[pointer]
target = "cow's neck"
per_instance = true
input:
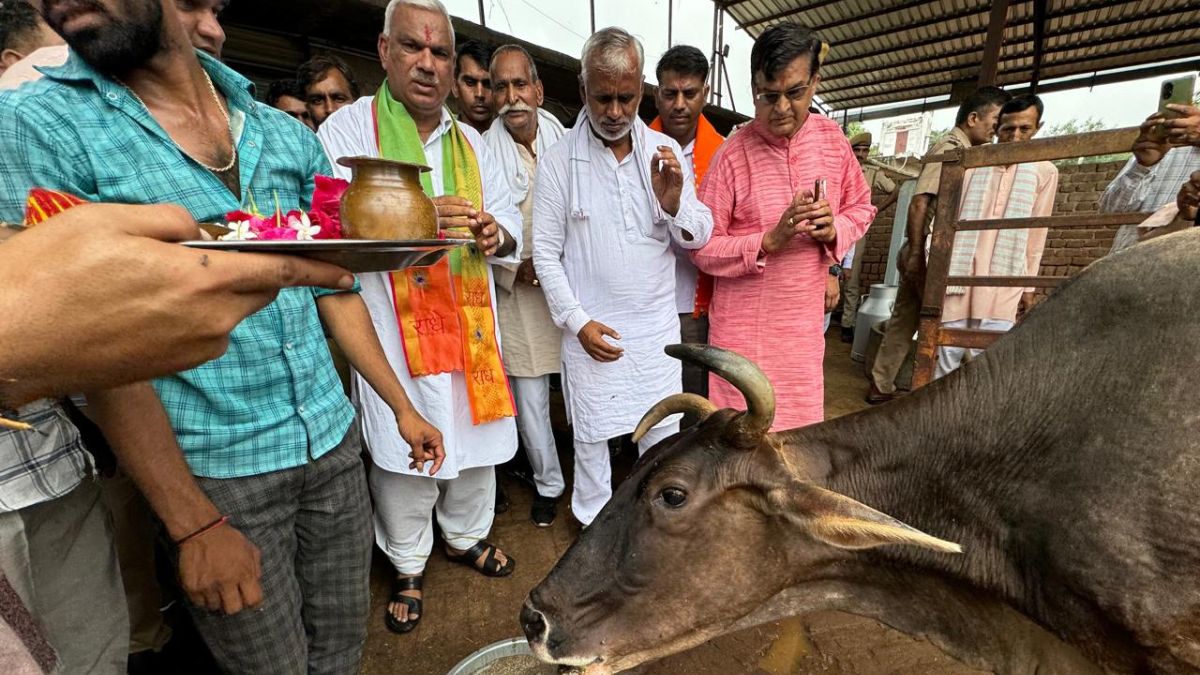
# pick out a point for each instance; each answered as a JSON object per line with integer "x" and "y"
{"x": 933, "y": 465}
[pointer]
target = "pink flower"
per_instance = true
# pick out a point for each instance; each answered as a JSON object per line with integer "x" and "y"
{"x": 326, "y": 206}
{"x": 330, "y": 227}
{"x": 277, "y": 233}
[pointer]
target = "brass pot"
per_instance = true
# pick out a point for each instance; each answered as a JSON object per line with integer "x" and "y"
{"x": 385, "y": 201}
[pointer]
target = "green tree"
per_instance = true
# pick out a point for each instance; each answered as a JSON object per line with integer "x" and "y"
{"x": 1082, "y": 127}
{"x": 856, "y": 128}
{"x": 1073, "y": 127}
{"x": 936, "y": 134}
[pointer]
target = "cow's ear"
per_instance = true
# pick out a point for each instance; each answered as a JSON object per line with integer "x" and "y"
{"x": 840, "y": 521}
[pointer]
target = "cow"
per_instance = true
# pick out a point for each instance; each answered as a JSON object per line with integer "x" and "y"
{"x": 1037, "y": 511}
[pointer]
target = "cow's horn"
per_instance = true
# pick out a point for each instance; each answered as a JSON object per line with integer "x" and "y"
{"x": 741, "y": 373}
{"x": 675, "y": 403}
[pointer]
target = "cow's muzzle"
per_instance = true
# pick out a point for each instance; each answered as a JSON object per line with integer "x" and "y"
{"x": 533, "y": 623}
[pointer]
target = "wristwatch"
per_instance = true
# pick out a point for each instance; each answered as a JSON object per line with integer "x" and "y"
{"x": 835, "y": 270}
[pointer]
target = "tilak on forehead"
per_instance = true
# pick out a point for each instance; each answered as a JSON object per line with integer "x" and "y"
{"x": 428, "y": 35}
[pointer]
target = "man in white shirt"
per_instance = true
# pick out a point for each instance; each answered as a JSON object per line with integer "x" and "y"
{"x": 520, "y": 135}
{"x": 682, "y": 73}
{"x": 469, "y": 401}
{"x": 611, "y": 200}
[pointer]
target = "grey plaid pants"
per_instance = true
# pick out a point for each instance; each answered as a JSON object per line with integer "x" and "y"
{"x": 313, "y": 526}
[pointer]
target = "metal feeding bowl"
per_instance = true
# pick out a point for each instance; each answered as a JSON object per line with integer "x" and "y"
{"x": 506, "y": 657}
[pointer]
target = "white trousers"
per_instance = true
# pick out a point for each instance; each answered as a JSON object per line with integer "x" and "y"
{"x": 950, "y": 358}
{"x": 533, "y": 423}
{"x": 593, "y": 472}
{"x": 404, "y": 508}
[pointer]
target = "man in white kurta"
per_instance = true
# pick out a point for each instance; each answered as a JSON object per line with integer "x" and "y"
{"x": 611, "y": 200}
{"x": 463, "y": 492}
{"x": 522, "y": 133}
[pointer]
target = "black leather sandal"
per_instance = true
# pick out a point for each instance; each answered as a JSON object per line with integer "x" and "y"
{"x": 414, "y": 604}
{"x": 491, "y": 566}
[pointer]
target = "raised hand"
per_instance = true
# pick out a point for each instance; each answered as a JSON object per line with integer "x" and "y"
{"x": 666, "y": 177}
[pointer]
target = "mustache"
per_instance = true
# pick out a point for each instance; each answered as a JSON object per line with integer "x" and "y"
{"x": 425, "y": 78}
{"x": 519, "y": 106}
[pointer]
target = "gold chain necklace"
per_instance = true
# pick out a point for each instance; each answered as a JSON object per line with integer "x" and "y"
{"x": 212, "y": 88}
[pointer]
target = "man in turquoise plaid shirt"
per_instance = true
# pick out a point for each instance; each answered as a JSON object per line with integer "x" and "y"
{"x": 267, "y": 500}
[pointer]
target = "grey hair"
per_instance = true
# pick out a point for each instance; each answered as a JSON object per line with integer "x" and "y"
{"x": 533, "y": 74}
{"x": 431, "y": 5}
{"x": 607, "y": 51}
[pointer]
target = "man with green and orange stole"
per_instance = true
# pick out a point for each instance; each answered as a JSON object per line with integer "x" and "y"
{"x": 437, "y": 324}
{"x": 682, "y": 74}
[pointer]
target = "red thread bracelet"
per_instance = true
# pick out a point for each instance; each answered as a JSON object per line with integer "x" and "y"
{"x": 211, "y": 526}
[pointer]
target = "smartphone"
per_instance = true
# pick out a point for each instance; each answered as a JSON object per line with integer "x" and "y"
{"x": 1178, "y": 91}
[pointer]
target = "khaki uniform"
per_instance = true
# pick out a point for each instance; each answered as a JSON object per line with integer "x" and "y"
{"x": 897, "y": 336}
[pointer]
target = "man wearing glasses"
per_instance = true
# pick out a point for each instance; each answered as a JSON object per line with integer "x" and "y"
{"x": 774, "y": 240}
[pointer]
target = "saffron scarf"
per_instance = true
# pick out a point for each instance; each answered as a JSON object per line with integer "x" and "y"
{"x": 708, "y": 140}
{"x": 444, "y": 311}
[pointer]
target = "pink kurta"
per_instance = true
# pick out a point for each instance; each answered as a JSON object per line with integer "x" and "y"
{"x": 1001, "y": 302}
{"x": 771, "y": 310}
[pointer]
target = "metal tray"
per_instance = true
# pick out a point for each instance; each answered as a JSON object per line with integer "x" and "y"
{"x": 356, "y": 255}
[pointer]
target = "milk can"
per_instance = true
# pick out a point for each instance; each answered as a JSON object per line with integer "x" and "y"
{"x": 876, "y": 308}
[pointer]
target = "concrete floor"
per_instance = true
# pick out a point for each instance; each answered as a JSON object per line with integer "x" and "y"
{"x": 465, "y": 610}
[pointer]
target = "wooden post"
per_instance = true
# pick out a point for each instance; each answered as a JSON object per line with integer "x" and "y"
{"x": 937, "y": 269}
{"x": 1039, "y": 43}
{"x": 990, "y": 63}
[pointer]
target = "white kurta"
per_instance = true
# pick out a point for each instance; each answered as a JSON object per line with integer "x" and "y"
{"x": 441, "y": 399}
{"x": 608, "y": 261}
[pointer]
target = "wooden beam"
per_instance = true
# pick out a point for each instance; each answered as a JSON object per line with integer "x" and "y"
{"x": 1049, "y": 149}
{"x": 990, "y": 62}
{"x": 1139, "y": 40}
{"x": 879, "y": 113}
{"x": 1039, "y": 43}
{"x": 1055, "y": 222}
{"x": 1005, "y": 282}
{"x": 966, "y": 337}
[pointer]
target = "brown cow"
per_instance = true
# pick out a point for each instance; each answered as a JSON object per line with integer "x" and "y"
{"x": 1065, "y": 463}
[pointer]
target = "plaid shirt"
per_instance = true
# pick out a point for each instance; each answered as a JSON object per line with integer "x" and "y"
{"x": 273, "y": 401}
{"x": 1140, "y": 188}
{"x": 36, "y": 468}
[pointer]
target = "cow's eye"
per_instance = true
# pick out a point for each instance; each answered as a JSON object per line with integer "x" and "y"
{"x": 673, "y": 497}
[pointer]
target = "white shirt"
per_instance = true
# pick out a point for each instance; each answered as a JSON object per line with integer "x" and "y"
{"x": 614, "y": 265}
{"x": 441, "y": 399}
{"x": 685, "y": 271}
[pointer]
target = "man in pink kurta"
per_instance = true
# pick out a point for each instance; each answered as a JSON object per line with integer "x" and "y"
{"x": 773, "y": 244}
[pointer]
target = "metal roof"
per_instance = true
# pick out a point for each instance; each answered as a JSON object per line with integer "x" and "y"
{"x": 891, "y": 51}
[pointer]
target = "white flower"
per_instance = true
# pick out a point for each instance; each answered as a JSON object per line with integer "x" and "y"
{"x": 239, "y": 231}
{"x": 304, "y": 228}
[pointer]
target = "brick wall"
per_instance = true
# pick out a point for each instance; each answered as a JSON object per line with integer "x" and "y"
{"x": 1067, "y": 251}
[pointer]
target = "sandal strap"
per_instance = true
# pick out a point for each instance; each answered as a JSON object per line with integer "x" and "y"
{"x": 414, "y": 604}
{"x": 407, "y": 584}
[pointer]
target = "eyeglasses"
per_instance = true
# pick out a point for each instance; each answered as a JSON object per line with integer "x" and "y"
{"x": 771, "y": 98}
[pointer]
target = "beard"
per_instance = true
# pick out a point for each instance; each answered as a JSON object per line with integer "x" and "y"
{"x": 118, "y": 44}
{"x": 610, "y": 136}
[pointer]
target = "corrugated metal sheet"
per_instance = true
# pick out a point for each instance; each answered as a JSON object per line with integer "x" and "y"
{"x": 892, "y": 51}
